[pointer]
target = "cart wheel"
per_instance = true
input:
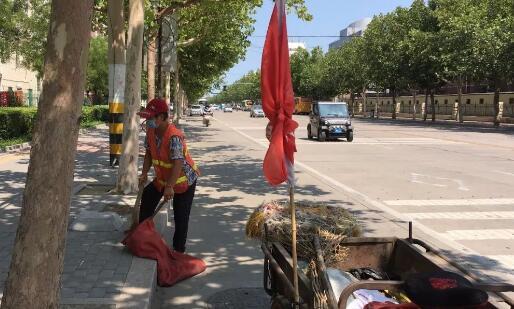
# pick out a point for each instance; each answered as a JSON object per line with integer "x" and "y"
{"x": 280, "y": 302}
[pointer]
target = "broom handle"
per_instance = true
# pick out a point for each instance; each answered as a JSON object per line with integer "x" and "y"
{"x": 293, "y": 247}
{"x": 135, "y": 211}
{"x": 156, "y": 211}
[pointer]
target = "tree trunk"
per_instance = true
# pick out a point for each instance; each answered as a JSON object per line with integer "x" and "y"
{"x": 394, "y": 104}
{"x": 376, "y": 105}
{"x": 460, "y": 106}
{"x": 127, "y": 173}
{"x": 151, "y": 52}
{"x": 496, "y": 102}
{"x": 432, "y": 103}
{"x": 364, "y": 101}
{"x": 166, "y": 87}
{"x": 159, "y": 61}
{"x": 177, "y": 107}
{"x": 116, "y": 57}
{"x": 414, "y": 105}
{"x": 352, "y": 101}
{"x": 38, "y": 254}
{"x": 425, "y": 110}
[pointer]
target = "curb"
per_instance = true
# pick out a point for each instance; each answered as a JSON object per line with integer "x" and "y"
{"x": 26, "y": 145}
{"x": 15, "y": 148}
{"x": 88, "y": 130}
{"x": 141, "y": 283}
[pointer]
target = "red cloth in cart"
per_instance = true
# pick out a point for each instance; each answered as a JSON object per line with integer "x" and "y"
{"x": 444, "y": 289}
{"x": 172, "y": 266}
{"x": 378, "y": 305}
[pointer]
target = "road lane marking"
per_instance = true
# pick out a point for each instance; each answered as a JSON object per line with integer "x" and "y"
{"x": 472, "y": 215}
{"x": 435, "y": 181}
{"x": 504, "y": 173}
{"x": 250, "y": 128}
{"x": 453, "y": 202}
{"x": 505, "y": 234}
{"x": 371, "y": 141}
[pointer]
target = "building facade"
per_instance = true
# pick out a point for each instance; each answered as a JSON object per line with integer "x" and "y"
{"x": 294, "y": 46}
{"x": 14, "y": 77}
{"x": 355, "y": 29}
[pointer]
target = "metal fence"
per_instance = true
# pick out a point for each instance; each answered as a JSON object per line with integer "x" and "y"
{"x": 443, "y": 108}
{"x": 18, "y": 98}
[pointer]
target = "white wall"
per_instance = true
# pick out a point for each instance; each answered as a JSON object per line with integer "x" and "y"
{"x": 14, "y": 75}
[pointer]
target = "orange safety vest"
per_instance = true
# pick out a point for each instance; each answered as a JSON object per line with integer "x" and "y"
{"x": 161, "y": 159}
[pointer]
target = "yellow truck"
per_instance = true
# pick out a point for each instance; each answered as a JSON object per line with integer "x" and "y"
{"x": 302, "y": 106}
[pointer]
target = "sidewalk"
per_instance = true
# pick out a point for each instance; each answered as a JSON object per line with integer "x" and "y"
{"x": 98, "y": 271}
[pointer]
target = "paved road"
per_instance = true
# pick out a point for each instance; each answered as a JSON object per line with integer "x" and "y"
{"x": 454, "y": 183}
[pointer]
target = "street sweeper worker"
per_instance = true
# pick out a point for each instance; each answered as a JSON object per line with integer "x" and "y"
{"x": 175, "y": 171}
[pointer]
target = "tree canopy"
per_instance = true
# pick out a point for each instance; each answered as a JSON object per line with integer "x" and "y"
{"x": 420, "y": 48}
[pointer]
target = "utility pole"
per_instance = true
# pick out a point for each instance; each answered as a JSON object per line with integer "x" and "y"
{"x": 117, "y": 71}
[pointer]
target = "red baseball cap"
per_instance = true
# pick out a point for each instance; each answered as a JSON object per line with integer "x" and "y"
{"x": 154, "y": 107}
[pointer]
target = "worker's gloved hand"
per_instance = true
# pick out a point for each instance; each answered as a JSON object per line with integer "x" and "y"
{"x": 143, "y": 179}
{"x": 168, "y": 193}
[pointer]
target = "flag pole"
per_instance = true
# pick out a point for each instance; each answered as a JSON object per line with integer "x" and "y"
{"x": 293, "y": 245}
{"x": 290, "y": 166}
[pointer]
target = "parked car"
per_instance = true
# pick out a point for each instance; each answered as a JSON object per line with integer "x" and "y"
{"x": 256, "y": 111}
{"x": 227, "y": 109}
{"x": 196, "y": 110}
{"x": 330, "y": 120}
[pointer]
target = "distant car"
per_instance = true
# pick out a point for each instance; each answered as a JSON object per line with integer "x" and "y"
{"x": 227, "y": 109}
{"x": 256, "y": 111}
{"x": 196, "y": 110}
{"x": 215, "y": 107}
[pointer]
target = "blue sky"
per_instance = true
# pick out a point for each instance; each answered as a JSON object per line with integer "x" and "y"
{"x": 330, "y": 16}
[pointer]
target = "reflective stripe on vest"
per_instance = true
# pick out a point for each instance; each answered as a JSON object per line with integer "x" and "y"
{"x": 162, "y": 163}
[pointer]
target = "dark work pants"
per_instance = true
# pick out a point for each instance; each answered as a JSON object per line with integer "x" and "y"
{"x": 181, "y": 209}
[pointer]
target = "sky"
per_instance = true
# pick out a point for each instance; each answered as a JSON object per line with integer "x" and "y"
{"x": 330, "y": 17}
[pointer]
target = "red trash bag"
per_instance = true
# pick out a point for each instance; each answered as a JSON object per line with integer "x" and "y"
{"x": 172, "y": 266}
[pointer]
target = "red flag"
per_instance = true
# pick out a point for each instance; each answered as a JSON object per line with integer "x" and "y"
{"x": 278, "y": 99}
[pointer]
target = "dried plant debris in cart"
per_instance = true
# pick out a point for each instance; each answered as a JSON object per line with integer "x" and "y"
{"x": 331, "y": 223}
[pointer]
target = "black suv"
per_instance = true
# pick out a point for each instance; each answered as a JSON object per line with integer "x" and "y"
{"x": 330, "y": 120}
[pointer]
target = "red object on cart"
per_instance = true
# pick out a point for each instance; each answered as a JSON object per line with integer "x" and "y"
{"x": 172, "y": 266}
